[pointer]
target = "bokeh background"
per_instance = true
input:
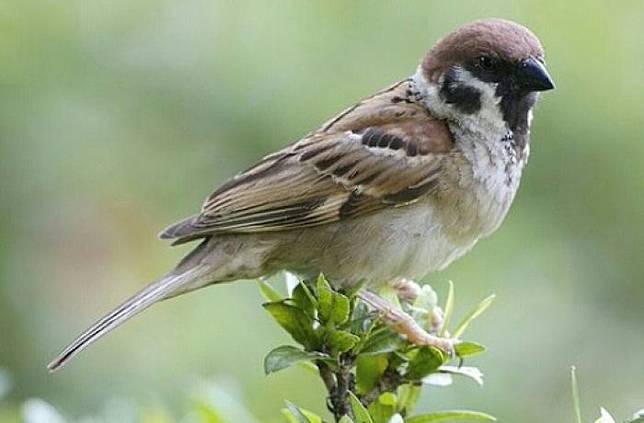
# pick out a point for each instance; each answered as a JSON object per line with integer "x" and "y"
{"x": 118, "y": 117}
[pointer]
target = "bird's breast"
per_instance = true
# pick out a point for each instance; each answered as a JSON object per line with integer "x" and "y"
{"x": 413, "y": 240}
{"x": 478, "y": 188}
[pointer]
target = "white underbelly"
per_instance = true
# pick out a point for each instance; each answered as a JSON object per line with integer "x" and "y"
{"x": 404, "y": 242}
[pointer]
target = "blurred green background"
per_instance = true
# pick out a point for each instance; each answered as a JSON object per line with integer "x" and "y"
{"x": 119, "y": 117}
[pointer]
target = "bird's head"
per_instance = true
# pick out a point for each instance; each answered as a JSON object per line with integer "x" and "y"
{"x": 493, "y": 68}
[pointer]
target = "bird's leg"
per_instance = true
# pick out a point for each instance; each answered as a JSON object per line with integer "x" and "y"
{"x": 407, "y": 289}
{"x": 405, "y": 325}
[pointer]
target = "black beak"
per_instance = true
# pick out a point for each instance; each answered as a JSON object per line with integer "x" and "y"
{"x": 533, "y": 76}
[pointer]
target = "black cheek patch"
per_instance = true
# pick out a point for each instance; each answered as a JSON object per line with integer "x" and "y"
{"x": 466, "y": 99}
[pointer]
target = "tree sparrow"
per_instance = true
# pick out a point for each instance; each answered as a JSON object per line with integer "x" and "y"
{"x": 394, "y": 187}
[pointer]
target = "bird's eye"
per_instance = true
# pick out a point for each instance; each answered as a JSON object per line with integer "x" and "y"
{"x": 486, "y": 63}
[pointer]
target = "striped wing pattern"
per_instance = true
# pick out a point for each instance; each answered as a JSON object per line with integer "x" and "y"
{"x": 385, "y": 151}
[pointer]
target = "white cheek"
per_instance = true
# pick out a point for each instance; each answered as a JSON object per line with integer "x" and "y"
{"x": 489, "y": 119}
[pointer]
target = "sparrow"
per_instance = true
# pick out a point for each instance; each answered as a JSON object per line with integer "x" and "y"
{"x": 393, "y": 188}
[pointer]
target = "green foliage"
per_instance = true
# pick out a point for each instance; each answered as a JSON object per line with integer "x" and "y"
{"x": 120, "y": 116}
{"x": 295, "y": 321}
{"x": 297, "y": 415}
{"x": 468, "y": 349}
{"x": 333, "y": 307}
{"x": 372, "y": 374}
{"x": 286, "y": 356}
{"x": 484, "y": 305}
{"x": 359, "y": 411}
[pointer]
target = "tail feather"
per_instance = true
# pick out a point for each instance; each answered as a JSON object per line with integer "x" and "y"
{"x": 149, "y": 295}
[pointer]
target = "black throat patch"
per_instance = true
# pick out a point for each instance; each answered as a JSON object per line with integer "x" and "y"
{"x": 515, "y": 104}
{"x": 515, "y": 107}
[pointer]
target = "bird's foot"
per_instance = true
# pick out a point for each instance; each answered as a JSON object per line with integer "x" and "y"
{"x": 405, "y": 325}
{"x": 407, "y": 289}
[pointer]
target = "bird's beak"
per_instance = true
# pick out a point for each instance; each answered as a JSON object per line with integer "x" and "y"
{"x": 532, "y": 75}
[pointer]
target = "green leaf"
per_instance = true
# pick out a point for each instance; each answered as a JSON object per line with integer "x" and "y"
{"x": 384, "y": 408}
{"x": 342, "y": 341}
{"x": 313, "y": 418}
{"x": 426, "y": 361}
{"x": 304, "y": 299}
{"x": 408, "y": 395}
{"x": 333, "y": 307}
{"x": 361, "y": 414}
{"x": 299, "y": 415}
{"x": 345, "y": 419}
{"x": 294, "y": 321}
{"x": 270, "y": 293}
{"x": 309, "y": 367}
{"x": 289, "y": 416}
{"x": 575, "y": 393}
{"x": 369, "y": 370}
{"x": 451, "y": 416}
{"x": 388, "y": 398}
{"x": 286, "y": 356}
{"x": 483, "y": 305}
{"x": 448, "y": 310}
{"x": 468, "y": 349}
{"x": 381, "y": 341}
{"x": 360, "y": 319}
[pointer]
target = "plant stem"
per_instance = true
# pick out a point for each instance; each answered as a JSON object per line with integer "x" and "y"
{"x": 338, "y": 384}
{"x": 389, "y": 382}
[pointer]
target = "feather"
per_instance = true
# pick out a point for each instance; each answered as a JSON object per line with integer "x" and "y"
{"x": 384, "y": 151}
{"x": 156, "y": 291}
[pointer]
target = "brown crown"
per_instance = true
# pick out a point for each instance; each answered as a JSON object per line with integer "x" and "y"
{"x": 497, "y": 37}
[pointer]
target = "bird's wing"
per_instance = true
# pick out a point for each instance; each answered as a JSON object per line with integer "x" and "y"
{"x": 385, "y": 151}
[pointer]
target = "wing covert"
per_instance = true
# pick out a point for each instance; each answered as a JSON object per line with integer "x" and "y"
{"x": 383, "y": 152}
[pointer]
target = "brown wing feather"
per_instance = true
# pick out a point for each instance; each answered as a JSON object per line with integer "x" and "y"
{"x": 385, "y": 151}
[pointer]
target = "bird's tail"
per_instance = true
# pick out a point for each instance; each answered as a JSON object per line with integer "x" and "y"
{"x": 168, "y": 286}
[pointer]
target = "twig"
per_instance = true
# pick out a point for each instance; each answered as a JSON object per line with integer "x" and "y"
{"x": 338, "y": 385}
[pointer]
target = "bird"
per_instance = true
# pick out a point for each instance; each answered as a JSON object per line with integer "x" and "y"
{"x": 391, "y": 189}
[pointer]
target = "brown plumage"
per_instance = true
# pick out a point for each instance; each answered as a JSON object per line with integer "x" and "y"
{"x": 504, "y": 39}
{"x": 312, "y": 181}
